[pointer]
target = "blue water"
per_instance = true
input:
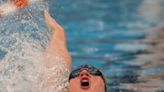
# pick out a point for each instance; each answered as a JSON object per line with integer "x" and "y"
{"x": 108, "y": 34}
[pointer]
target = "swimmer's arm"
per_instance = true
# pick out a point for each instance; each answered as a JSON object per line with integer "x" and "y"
{"x": 57, "y": 45}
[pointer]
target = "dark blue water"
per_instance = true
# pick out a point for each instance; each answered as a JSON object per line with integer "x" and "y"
{"x": 110, "y": 34}
{"x": 123, "y": 38}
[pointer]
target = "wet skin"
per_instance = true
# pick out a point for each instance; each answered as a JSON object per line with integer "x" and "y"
{"x": 86, "y": 82}
{"x": 57, "y": 45}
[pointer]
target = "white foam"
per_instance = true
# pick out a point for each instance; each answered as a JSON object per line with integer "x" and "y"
{"x": 24, "y": 37}
{"x": 6, "y": 9}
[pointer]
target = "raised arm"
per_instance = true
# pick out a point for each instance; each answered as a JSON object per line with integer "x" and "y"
{"x": 57, "y": 45}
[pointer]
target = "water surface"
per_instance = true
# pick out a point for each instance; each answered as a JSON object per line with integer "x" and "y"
{"x": 121, "y": 37}
{"x": 124, "y": 38}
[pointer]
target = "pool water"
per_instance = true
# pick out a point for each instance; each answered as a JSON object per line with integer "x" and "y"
{"x": 117, "y": 37}
{"x": 123, "y": 38}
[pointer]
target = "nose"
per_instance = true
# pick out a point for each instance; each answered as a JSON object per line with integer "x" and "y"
{"x": 84, "y": 73}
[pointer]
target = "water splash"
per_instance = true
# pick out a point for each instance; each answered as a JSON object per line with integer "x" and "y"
{"x": 23, "y": 38}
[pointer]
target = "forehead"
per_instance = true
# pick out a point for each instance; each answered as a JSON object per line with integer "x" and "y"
{"x": 86, "y": 68}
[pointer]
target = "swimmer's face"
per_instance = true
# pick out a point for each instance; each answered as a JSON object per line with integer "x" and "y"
{"x": 86, "y": 82}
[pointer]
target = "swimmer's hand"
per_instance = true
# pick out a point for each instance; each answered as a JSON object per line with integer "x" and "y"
{"x": 51, "y": 23}
{"x": 57, "y": 30}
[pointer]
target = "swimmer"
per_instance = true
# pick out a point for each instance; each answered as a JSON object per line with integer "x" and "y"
{"x": 83, "y": 79}
{"x": 57, "y": 60}
{"x": 87, "y": 79}
{"x": 13, "y": 5}
{"x": 57, "y": 45}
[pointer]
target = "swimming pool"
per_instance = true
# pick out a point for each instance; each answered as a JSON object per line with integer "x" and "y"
{"x": 114, "y": 35}
{"x": 110, "y": 34}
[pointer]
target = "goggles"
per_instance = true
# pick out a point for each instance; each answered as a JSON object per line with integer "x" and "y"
{"x": 90, "y": 69}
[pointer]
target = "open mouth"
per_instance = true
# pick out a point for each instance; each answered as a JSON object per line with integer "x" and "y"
{"x": 85, "y": 83}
